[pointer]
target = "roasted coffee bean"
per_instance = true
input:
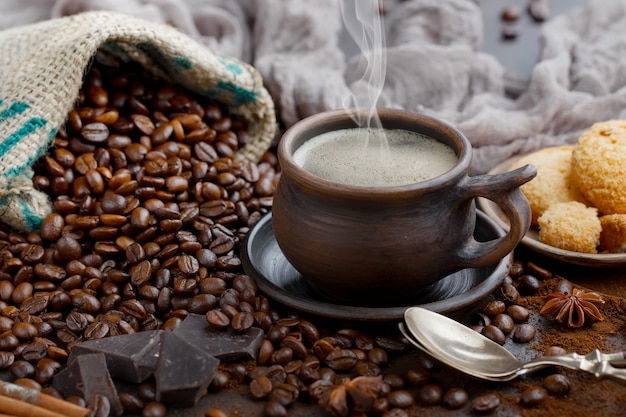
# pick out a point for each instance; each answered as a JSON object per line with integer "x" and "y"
{"x": 528, "y": 285}
{"x": 378, "y": 356}
{"x": 429, "y": 394}
{"x": 214, "y": 412}
{"x": 524, "y": 333}
{"x": 274, "y": 409}
{"x": 518, "y": 313}
{"x": 100, "y": 405}
{"x": 260, "y": 387}
{"x": 389, "y": 344}
{"x": 485, "y": 404}
{"x": 154, "y": 409}
{"x": 504, "y": 322}
{"x": 22, "y": 369}
{"x": 538, "y": 272}
{"x": 130, "y": 403}
{"x": 532, "y": 397}
{"x": 494, "y": 333}
{"x": 557, "y": 384}
{"x": 6, "y": 359}
{"x": 455, "y": 398}
{"x": 509, "y": 31}
{"x": 95, "y": 132}
{"x": 507, "y": 293}
{"x": 418, "y": 377}
{"x": 24, "y": 331}
{"x": 285, "y": 394}
{"x": 242, "y": 322}
{"x": 217, "y": 319}
{"x": 511, "y": 14}
{"x": 147, "y": 391}
{"x": 539, "y": 10}
{"x": 555, "y": 351}
{"x": 493, "y": 308}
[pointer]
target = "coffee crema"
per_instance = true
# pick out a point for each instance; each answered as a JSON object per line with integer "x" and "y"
{"x": 375, "y": 157}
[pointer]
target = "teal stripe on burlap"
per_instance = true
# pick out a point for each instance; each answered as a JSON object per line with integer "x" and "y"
{"x": 14, "y": 109}
{"x": 32, "y": 221}
{"x": 29, "y": 127}
{"x": 15, "y": 171}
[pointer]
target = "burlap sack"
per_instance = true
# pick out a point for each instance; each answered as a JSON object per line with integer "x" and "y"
{"x": 41, "y": 71}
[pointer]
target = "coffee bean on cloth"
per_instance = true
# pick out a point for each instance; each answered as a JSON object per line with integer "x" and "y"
{"x": 41, "y": 71}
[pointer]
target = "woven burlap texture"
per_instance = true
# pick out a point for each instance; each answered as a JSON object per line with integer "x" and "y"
{"x": 41, "y": 71}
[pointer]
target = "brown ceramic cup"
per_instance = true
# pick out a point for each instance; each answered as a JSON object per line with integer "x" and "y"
{"x": 374, "y": 246}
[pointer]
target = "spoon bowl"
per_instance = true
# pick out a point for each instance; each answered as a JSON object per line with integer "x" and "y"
{"x": 468, "y": 351}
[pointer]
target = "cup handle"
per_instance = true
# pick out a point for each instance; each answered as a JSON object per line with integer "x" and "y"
{"x": 503, "y": 189}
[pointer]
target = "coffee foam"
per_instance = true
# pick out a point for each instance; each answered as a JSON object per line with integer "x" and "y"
{"x": 375, "y": 157}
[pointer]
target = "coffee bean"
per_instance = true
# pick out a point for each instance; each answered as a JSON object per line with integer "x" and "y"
{"x": 100, "y": 405}
{"x": 418, "y": 377}
{"x": 493, "y": 308}
{"x": 533, "y": 396}
{"x": 511, "y": 14}
{"x": 6, "y": 359}
{"x": 539, "y": 10}
{"x": 22, "y": 369}
{"x": 154, "y": 409}
{"x": 285, "y": 394}
{"x": 217, "y": 319}
{"x": 485, "y": 404}
{"x": 188, "y": 264}
{"x": 528, "y": 285}
{"x": 214, "y": 412}
{"x": 507, "y": 293}
{"x": 555, "y": 351}
{"x": 242, "y": 322}
{"x": 274, "y": 409}
{"x": 518, "y": 313}
{"x": 260, "y": 387}
{"x": 130, "y": 403}
{"x": 495, "y": 334}
{"x": 524, "y": 333}
{"x": 429, "y": 394}
{"x": 95, "y": 132}
{"x": 504, "y": 322}
{"x": 557, "y": 384}
{"x": 455, "y": 398}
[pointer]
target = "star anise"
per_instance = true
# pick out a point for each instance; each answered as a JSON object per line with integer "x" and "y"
{"x": 352, "y": 395}
{"x": 574, "y": 309}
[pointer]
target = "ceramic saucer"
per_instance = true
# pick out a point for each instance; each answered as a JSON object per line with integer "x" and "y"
{"x": 263, "y": 260}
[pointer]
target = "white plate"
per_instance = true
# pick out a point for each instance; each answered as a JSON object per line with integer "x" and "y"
{"x": 532, "y": 242}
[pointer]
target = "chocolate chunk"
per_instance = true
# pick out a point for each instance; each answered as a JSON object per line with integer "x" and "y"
{"x": 86, "y": 376}
{"x": 183, "y": 371}
{"x": 225, "y": 345}
{"x": 131, "y": 357}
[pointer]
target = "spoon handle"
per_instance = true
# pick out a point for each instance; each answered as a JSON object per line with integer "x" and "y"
{"x": 608, "y": 370}
{"x": 617, "y": 358}
{"x": 594, "y": 362}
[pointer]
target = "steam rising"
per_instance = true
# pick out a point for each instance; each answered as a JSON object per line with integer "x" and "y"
{"x": 364, "y": 24}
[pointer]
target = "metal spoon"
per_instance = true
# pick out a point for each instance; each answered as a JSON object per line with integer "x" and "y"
{"x": 462, "y": 348}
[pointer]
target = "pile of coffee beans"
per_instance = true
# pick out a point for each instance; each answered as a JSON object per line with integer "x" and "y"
{"x": 150, "y": 207}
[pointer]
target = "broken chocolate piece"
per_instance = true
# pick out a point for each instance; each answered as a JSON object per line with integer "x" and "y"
{"x": 183, "y": 371}
{"x": 225, "y": 345}
{"x": 131, "y": 357}
{"x": 86, "y": 376}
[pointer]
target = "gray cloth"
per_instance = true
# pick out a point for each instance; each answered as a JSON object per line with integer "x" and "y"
{"x": 434, "y": 63}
